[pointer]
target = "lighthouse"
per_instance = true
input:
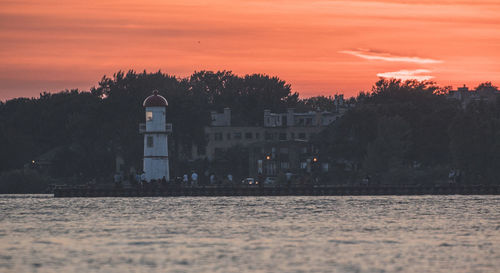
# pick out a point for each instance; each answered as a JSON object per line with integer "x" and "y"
{"x": 155, "y": 132}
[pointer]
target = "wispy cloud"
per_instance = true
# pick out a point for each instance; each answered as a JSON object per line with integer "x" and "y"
{"x": 408, "y": 75}
{"x": 388, "y": 57}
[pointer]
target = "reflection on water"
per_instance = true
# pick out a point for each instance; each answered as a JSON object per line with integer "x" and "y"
{"x": 239, "y": 234}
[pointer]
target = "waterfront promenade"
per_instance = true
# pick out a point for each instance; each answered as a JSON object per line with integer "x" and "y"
{"x": 170, "y": 191}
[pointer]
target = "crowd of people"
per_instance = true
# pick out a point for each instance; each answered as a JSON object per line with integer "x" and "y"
{"x": 207, "y": 179}
{"x": 191, "y": 179}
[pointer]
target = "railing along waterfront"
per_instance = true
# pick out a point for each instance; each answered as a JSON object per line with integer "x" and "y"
{"x": 317, "y": 190}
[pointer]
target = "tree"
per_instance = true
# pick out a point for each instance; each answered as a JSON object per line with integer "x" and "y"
{"x": 388, "y": 153}
{"x": 486, "y": 86}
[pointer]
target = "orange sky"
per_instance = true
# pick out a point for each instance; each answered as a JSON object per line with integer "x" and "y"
{"x": 320, "y": 47}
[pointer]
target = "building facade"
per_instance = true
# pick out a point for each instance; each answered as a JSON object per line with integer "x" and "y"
{"x": 281, "y": 144}
{"x": 275, "y": 158}
{"x": 466, "y": 96}
{"x": 289, "y": 126}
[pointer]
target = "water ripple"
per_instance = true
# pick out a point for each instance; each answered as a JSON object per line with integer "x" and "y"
{"x": 39, "y": 233}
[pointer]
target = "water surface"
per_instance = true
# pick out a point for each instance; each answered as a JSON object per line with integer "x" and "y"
{"x": 239, "y": 234}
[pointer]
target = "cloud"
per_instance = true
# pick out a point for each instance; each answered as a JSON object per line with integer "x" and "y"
{"x": 388, "y": 57}
{"x": 407, "y": 75}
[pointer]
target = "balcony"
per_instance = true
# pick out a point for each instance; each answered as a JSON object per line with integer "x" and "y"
{"x": 168, "y": 128}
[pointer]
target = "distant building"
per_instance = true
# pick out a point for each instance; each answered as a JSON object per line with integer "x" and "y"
{"x": 277, "y": 127}
{"x": 274, "y": 158}
{"x": 221, "y": 119}
{"x": 284, "y": 136}
{"x": 466, "y": 96}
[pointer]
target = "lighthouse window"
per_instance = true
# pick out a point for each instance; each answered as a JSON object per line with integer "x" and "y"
{"x": 149, "y": 116}
{"x": 149, "y": 141}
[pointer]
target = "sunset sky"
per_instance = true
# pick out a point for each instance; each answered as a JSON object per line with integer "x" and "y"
{"x": 320, "y": 47}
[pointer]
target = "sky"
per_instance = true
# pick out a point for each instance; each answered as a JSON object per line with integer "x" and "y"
{"x": 319, "y": 47}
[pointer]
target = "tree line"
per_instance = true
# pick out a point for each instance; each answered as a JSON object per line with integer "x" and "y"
{"x": 82, "y": 132}
{"x": 413, "y": 133}
{"x": 400, "y": 132}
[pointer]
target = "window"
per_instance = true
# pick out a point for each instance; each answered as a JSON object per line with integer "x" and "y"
{"x": 303, "y": 150}
{"x": 308, "y": 121}
{"x": 228, "y": 136}
{"x": 302, "y": 135}
{"x": 284, "y": 150}
{"x": 292, "y": 136}
{"x": 285, "y": 165}
{"x": 218, "y": 136}
{"x": 270, "y": 168}
{"x": 149, "y": 116}
{"x": 237, "y": 135}
{"x": 269, "y": 136}
{"x": 149, "y": 141}
{"x": 257, "y": 136}
{"x": 282, "y": 136}
{"x": 248, "y": 135}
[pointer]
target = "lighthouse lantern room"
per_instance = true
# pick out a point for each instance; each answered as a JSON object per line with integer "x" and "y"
{"x": 155, "y": 133}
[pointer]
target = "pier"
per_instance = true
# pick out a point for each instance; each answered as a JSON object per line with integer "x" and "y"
{"x": 171, "y": 191}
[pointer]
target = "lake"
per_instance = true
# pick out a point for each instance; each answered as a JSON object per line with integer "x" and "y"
{"x": 39, "y": 233}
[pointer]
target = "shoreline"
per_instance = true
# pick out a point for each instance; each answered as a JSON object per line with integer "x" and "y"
{"x": 278, "y": 191}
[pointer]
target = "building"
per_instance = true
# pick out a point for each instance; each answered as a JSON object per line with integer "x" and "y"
{"x": 466, "y": 96}
{"x": 155, "y": 130}
{"x": 285, "y": 137}
{"x": 279, "y": 157}
{"x": 287, "y": 126}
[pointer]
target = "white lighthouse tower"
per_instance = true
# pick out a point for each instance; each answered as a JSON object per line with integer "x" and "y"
{"x": 155, "y": 138}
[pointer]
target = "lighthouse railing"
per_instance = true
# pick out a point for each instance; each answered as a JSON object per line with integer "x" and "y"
{"x": 142, "y": 128}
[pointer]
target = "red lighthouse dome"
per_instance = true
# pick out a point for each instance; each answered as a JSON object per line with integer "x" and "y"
{"x": 155, "y": 100}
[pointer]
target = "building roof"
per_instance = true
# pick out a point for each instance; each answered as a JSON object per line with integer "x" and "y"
{"x": 155, "y": 100}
